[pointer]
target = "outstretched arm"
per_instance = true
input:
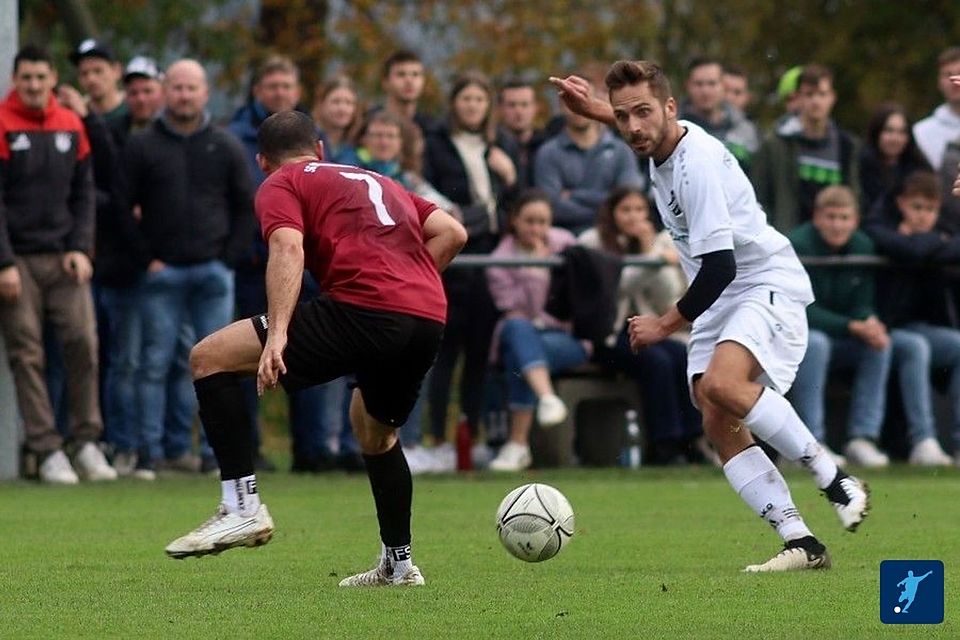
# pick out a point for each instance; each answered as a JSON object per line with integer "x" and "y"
{"x": 284, "y": 275}
{"x": 443, "y": 237}
{"x": 577, "y": 94}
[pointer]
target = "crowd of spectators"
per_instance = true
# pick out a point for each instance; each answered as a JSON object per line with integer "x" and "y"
{"x": 127, "y": 234}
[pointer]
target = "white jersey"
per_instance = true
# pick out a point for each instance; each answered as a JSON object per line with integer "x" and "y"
{"x": 707, "y": 204}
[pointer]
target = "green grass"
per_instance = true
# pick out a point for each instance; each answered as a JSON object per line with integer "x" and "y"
{"x": 656, "y": 555}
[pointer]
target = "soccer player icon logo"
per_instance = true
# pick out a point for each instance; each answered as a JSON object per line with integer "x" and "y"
{"x": 903, "y": 600}
{"x": 909, "y": 584}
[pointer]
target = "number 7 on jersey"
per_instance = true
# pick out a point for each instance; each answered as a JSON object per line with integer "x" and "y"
{"x": 375, "y": 193}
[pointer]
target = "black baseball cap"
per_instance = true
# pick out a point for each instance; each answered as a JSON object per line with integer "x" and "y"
{"x": 92, "y": 48}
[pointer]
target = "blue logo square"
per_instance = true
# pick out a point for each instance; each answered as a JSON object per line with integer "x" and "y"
{"x": 911, "y": 591}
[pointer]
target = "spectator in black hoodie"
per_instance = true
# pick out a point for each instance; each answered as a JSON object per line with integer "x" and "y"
{"x": 195, "y": 193}
{"x": 914, "y": 304}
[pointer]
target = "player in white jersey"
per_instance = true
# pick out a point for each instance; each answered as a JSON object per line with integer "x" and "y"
{"x": 746, "y": 301}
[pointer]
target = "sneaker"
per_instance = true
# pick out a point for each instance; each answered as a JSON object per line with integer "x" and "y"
{"x": 145, "y": 470}
{"x": 92, "y": 465}
{"x": 512, "y": 457}
{"x": 377, "y": 577}
{"x": 419, "y": 460}
{"x": 124, "y": 462}
{"x": 210, "y": 467}
{"x": 224, "y": 531}
{"x": 56, "y": 469}
{"x": 444, "y": 458}
{"x": 799, "y": 554}
{"x": 184, "y": 463}
{"x": 851, "y": 498}
{"x": 480, "y": 455}
{"x": 838, "y": 459}
{"x": 551, "y": 411}
{"x": 863, "y": 452}
{"x": 929, "y": 453}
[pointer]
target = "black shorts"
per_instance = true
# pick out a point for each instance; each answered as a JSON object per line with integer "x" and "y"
{"x": 389, "y": 353}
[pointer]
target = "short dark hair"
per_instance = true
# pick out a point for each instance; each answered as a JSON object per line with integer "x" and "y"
{"x": 286, "y": 134}
{"x": 399, "y": 57}
{"x": 275, "y": 64}
{"x": 737, "y": 70}
{"x": 702, "y": 61}
{"x": 813, "y": 74}
{"x": 514, "y": 83}
{"x": 631, "y": 72}
{"x": 32, "y": 53}
{"x": 922, "y": 183}
{"x": 948, "y": 56}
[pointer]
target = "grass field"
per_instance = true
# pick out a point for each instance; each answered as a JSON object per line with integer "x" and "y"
{"x": 656, "y": 554}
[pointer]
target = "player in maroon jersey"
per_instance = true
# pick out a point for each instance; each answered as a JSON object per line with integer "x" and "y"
{"x": 376, "y": 251}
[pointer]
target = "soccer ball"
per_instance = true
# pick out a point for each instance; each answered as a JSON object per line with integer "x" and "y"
{"x": 534, "y": 522}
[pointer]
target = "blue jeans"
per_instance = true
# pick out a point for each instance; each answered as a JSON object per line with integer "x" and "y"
{"x": 523, "y": 347}
{"x": 661, "y": 373}
{"x": 918, "y": 347}
{"x": 871, "y": 369}
{"x": 199, "y": 295}
{"x": 121, "y": 308}
{"x": 308, "y": 408}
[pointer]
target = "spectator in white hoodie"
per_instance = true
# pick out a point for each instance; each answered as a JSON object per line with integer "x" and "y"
{"x": 942, "y": 127}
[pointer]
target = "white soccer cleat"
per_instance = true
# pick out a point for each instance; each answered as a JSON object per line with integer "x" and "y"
{"x": 512, "y": 457}
{"x": 929, "y": 453}
{"x": 550, "y": 411}
{"x": 56, "y": 469}
{"x": 863, "y": 452}
{"x": 797, "y": 555}
{"x": 850, "y": 498}
{"x": 377, "y": 577}
{"x": 92, "y": 465}
{"x": 224, "y": 531}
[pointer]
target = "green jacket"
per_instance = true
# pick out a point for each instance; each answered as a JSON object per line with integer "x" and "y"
{"x": 843, "y": 293}
{"x": 776, "y": 178}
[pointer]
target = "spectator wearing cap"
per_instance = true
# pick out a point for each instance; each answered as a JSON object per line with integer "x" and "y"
{"x": 192, "y": 184}
{"x": 46, "y": 240}
{"x": 143, "y": 95}
{"x": 275, "y": 87}
{"x": 98, "y": 73}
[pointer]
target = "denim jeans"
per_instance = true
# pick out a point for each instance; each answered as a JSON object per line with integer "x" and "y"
{"x": 871, "y": 369}
{"x": 524, "y": 346}
{"x": 308, "y": 408}
{"x": 925, "y": 346}
{"x": 199, "y": 295}
{"x": 182, "y": 402}
{"x": 121, "y": 309}
{"x": 661, "y": 373}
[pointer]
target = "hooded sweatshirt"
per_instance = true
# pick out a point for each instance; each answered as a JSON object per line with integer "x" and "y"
{"x": 934, "y": 132}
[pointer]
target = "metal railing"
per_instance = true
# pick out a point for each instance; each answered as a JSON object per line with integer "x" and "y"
{"x": 474, "y": 261}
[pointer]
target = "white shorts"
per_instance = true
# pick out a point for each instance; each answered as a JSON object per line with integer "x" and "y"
{"x": 770, "y": 325}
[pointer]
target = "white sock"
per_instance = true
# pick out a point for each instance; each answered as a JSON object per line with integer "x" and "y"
{"x": 755, "y": 479}
{"x": 241, "y": 495}
{"x": 396, "y": 560}
{"x": 773, "y": 420}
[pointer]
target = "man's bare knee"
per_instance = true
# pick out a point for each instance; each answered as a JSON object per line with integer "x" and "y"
{"x": 202, "y": 360}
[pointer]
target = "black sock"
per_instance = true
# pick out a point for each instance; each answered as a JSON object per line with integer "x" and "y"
{"x": 227, "y": 423}
{"x": 392, "y": 488}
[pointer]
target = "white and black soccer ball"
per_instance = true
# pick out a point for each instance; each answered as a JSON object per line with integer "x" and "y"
{"x": 535, "y": 521}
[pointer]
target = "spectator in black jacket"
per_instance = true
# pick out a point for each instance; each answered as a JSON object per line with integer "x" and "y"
{"x": 195, "y": 193}
{"x": 464, "y": 165}
{"x": 46, "y": 240}
{"x": 889, "y": 154}
{"x": 914, "y": 302}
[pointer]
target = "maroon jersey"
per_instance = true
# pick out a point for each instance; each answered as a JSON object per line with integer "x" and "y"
{"x": 362, "y": 236}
